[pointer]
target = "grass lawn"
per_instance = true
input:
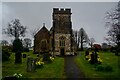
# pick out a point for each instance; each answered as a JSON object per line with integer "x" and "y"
{"x": 107, "y": 58}
{"x": 51, "y": 70}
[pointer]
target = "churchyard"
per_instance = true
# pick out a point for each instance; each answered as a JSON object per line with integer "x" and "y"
{"x": 62, "y": 51}
{"x": 108, "y": 68}
{"x": 53, "y": 69}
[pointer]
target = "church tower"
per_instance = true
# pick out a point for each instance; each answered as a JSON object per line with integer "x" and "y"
{"x": 62, "y": 27}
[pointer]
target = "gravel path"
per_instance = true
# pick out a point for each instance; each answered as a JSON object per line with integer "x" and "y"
{"x": 72, "y": 70}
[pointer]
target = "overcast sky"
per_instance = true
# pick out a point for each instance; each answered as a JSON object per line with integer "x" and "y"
{"x": 89, "y": 15}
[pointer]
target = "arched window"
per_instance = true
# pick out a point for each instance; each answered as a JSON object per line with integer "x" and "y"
{"x": 62, "y": 41}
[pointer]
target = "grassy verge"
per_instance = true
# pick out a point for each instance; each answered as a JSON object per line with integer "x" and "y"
{"x": 52, "y": 70}
{"x": 107, "y": 58}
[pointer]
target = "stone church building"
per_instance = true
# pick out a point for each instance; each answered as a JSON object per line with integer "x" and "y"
{"x": 59, "y": 40}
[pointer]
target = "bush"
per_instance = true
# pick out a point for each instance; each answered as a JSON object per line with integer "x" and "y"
{"x": 18, "y": 48}
{"x": 17, "y": 45}
{"x": 5, "y": 55}
{"x": 108, "y": 68}
{"x": 99, "y": 68}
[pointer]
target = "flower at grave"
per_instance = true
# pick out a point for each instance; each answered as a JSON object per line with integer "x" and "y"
{"x": 39, "y": 63}
{"x": 99, "y": 60}
{"x": 89, "y": 59}
{"x": 51, "y": 58}
{"x": 97, "y": 53}
{"x": 17, "y": 75}
{"x": 90, "y": 53}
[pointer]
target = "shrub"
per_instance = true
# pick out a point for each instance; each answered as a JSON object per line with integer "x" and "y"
{"x": 5, "y": 55}
{"x": 17, "y": 45}
{"x": 99, "y": 68}
{"x": 108, "y": 68}
{"x": 18, "y": 48}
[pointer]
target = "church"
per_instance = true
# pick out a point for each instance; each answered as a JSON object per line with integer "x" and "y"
{"x": 59, "y": 39}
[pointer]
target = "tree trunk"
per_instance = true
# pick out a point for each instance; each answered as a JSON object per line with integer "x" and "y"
{"x": 81, "y": 43}
{"x": 18, "y": 58}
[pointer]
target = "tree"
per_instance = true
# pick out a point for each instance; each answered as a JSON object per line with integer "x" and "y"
{"x": 104, "y": 45}
{"x": 18, "y": 48}
{"x": 27, "y": 42}
{"x": 34, "y": 31}
{"x": 4, "y": 43}
{"x": 82, "y": 37}
{"x": 113, "y": 23}
{"x": 15, "y": 29}
{"x": 91, "y": 41}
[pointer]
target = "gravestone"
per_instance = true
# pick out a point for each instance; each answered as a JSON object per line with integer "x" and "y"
{"x": 24, "y": 55}
{"x": 31, "y": 66}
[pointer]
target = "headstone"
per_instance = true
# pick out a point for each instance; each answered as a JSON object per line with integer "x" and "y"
{"x": 24, "y": 55}
{"x": 31, "y": 67}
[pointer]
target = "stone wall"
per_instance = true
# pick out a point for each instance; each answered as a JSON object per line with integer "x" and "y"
{"x": 67, "y": 43}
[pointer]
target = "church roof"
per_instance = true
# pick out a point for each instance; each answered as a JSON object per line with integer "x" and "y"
{"x": 43, "y": 30}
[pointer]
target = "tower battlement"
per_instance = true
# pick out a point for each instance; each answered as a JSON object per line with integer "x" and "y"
{"x": 61, "y": 10}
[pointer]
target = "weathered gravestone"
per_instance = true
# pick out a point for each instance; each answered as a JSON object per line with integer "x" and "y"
{"x": 31, "y": 66}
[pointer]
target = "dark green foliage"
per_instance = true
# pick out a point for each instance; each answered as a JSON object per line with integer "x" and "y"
{"x": 18, "y": 48}
{"x": 108, "y": 68}
{"x": 17, "y": 45}
{"x": 18, "y": 57}
{"x": 99, "y": 68}
{"x": 5, "y": 54}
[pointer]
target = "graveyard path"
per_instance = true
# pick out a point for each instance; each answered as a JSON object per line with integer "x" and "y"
{"x": 72, "y": 70}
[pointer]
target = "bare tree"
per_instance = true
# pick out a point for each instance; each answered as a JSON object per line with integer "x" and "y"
{"x": 15, "y": 29}
{"x": 91, "y": 41}
{"x": 4, "y": 43}
{"x": 27, "y": 42}
{"x": 113, "y": 23}
{"x": 34, "y": 31}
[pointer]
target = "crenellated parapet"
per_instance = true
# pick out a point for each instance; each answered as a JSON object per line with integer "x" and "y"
{"x": 61, "y": 11}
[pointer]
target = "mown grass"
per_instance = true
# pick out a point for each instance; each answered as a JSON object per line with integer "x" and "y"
{"x": 51, "y": 70}
{"x": 107, "y": 58}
